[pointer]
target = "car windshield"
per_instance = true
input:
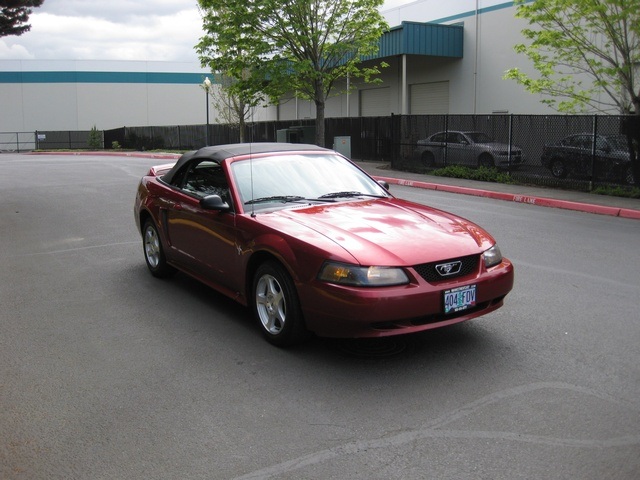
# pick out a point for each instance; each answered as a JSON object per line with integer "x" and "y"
{"x": 284, "y": 178}
{"x": 479, "y": 137}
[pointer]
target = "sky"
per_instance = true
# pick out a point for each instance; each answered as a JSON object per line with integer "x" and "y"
{"x": 140, "y": 30}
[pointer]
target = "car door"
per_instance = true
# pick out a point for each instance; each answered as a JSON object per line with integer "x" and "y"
{"x": 437, "y": 145}
{"x": 603, "y": 161}
{"x": 457, "y": 149}
{"x": 581, "y": 155}
{"x": 205, "y": 239}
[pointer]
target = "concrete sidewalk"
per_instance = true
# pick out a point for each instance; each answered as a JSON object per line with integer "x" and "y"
{"x": 545, "y": 197}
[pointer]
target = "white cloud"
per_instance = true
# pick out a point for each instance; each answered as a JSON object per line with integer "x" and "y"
{"x": 14, "y": 52}
{"x": 164, "y": 30}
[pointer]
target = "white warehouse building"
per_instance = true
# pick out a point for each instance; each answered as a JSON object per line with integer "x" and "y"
{"x": 444, "y": 57}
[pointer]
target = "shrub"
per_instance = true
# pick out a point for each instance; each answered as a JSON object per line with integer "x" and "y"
{"x": 618, "y": 191}
{"x": 484, "y": 174}
{"x": 95, "y": 139}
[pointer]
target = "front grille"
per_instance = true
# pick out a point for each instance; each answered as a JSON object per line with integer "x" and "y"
{"x": 428, "y": 271}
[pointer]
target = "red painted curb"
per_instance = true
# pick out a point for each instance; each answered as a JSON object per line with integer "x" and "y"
{"x": 628, "y": 213}
{"x": 531, "y": 200}
{"x": 113, "y": 154}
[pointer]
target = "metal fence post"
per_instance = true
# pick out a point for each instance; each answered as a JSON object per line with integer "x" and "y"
{"x": 593, "y": 150}
{"x": 446, "y": 135}
{"x": 510, "y": 142}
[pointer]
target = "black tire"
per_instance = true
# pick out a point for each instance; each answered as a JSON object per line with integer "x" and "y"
{"x": 486, "y": 160}
{"x": 558, "y": 168}
{"x": 153, "y": 251}
{"x": 428, "y": 159}
{"x": 276, "y": 306}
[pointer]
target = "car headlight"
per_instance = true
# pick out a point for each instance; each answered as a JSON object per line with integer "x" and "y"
{"x": 354, "y": 275}
{"x": 492, "y": 257}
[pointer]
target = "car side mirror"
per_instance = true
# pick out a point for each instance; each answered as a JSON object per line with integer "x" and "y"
{"x": 384, "y": 184}
{"x": 214, "y": 202}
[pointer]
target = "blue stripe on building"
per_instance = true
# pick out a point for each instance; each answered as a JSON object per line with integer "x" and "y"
{"x": 103, "y": 77}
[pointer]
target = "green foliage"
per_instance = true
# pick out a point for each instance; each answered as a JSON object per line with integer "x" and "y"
{"x": 116, "y": 145}
{"x": 585, "y": 53}
{"x": 618, "y": 191}
{"x": 273, "y": 48}
{"x": 484, "y": 174}
{"x": 95, "y": 139}
{"x": 496, "y": 176}
{"x": 14, "y": 15}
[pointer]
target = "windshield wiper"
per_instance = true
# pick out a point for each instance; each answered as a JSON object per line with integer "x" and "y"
{"x": 275, "y": 198}
{"x": 349, "y": 194}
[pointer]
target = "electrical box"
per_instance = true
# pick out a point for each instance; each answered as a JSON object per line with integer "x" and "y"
{"x": 342, "y": 145}
{"x": 296, "y": 135}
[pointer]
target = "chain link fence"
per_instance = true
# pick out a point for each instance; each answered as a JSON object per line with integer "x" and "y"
{"x": 17, "y": 141}
{"x": 577, "y": 152}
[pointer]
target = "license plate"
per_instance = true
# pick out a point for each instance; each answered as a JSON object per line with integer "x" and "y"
{"x": 458, "y": 299}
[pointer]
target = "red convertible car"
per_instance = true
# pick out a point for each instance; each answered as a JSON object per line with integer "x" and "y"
{"x": 312, "y": 244}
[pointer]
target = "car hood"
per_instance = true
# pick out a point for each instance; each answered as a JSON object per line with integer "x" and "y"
{"x": 383, "y": 232}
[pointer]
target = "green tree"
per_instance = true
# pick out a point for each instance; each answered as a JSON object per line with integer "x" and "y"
{"x": 95, "y": 140}
{"x": 233, "y": 107}
{"x": 272, "y": 48}
{"x": 585, "y": 52}
{"x": 14, "y": 14}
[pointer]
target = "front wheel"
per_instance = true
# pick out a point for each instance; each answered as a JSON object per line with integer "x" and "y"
{"x": 276, "y": 306}
{"x": 153, "y": 252}
{"x": 486, "y": 160}
{"x": 558, "y": 168}
{"x": 428, "y": 159}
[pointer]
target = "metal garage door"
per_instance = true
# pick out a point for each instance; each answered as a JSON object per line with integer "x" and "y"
{"x": 374, "y": 102}
{"x": 429, "y": 98}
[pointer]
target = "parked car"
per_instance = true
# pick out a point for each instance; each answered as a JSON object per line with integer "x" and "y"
{"x": 574, "y": 155}
{"x": 475, "y": 149}
{"x": 311, "y": 243}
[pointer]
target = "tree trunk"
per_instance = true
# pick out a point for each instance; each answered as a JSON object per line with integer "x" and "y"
{"x": 241, "y": 129}
{"x": 320, "y": 104}
{"x": 320, "y": 124}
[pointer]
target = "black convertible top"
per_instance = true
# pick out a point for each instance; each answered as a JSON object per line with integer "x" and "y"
{"x": 219, "y": 153}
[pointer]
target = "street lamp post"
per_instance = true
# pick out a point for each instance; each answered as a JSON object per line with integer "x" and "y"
{"x": 207, "y": 87}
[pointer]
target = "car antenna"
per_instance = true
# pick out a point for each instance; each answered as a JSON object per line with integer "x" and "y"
{"x": 253, "y": 212}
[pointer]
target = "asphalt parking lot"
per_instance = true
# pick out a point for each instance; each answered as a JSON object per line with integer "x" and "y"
{"x": 109, "y": 373}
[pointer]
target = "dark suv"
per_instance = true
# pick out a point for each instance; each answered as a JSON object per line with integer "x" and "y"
{"x": 573, "y": 156}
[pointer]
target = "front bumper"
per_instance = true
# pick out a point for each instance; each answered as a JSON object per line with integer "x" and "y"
{"x": 348, "y": 312}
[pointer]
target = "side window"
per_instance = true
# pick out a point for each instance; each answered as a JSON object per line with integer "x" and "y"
{"x": 206, "y": 178}
{"x": 585, "y": 142}
{"x": 575, "y": 141}
{"x": 601, "y": 143}
{"x": 452, "y": 138}
{"x": 438, "y": 137}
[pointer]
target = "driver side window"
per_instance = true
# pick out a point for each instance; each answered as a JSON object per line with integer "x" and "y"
{"x": 206, "y": 178}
